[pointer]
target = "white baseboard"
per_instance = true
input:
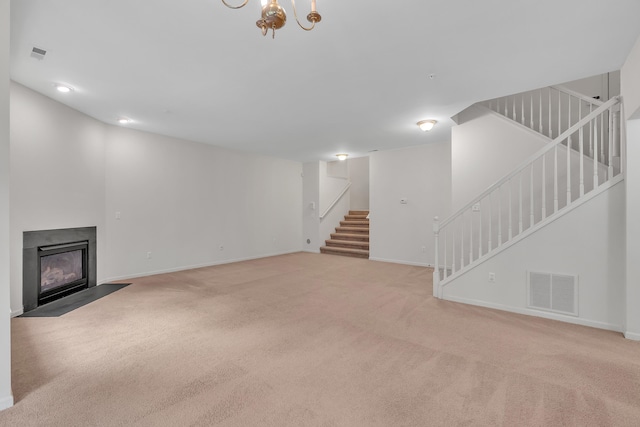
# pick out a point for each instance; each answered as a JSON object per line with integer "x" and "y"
{"x": 398, "y": 261}
{"x": 6, "y": 402}
{"x": 18, "y": 312}
{"x": 632, "y": 336}
{"x": 535, "y": 313}
{"x": 191, "y": 267}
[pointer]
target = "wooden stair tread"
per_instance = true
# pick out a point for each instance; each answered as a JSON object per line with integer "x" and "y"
{"x": 356, "y": 217}
{"x": 365, "y": 213}
{"x": 355, "y": 223}
{"x": 349, "y": 243}
{"x": 349, "y": 236}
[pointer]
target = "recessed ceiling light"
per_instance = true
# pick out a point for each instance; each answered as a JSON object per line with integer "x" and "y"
{"x": 124, "y": 121}
{"x": 63, "y": 88}
{"x": 427, "y": 125}
{"x": 342, "y": 156}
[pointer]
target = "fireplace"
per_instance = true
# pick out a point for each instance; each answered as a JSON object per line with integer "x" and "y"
{"x": 57, "y": 263}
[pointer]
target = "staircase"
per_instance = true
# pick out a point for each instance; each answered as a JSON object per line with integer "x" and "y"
{"x": 351, "y": 237}
{"x": 583, "y": 158}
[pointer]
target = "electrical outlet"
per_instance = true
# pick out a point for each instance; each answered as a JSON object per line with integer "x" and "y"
{"x": 148, "y": 255}
{"x": 424, "y": 249}
{"x": 492, "y": 277}
{"x": 221, "y": 248}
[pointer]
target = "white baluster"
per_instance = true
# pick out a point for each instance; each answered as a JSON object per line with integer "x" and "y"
{"x": 461, "y": 241}
{"x": 610, "y": 154}
{"x": 581, "y": 141}
{"x": 540, "y": 115}
{"x": 453, "y": 247}
{"x": 544, "y": 186}
{"x": 489, "y": 246}
{"x": 436, "y": 270}
{"x": 480, "y": 231}
{"x": 520, "y": 205}
{"x": 568, "y": 171}
{"x": 471, "y": 236}
{"x": 531, "y": 215}
{"x": 444, "y": 265}
{"x": 510, "y": 211}
{"x": 522, "y": 109}
{"x": 595, "y": 154}
{"x": 499, "y": 216}
{"x": 559, "y": 113}
{"x": 515, "y": 119}
{"x": 531, "y": 113}
{"x": 550, "y": 128}
{"x": 602, "y": 158}
{"x": 555, "y": 179}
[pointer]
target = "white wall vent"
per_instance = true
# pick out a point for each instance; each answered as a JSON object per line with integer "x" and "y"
{"x": 38, "y": 53}
{"x": 553, "y": 292}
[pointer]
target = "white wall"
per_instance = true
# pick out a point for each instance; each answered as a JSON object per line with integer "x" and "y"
{"x": 484, "y": 148}
{"x": 403, "y": 232}
{"x": 178, "y": 200}
{"x": 331, "y": 186}
{"x": 6, "y": 397}
{"x": 631, "y": 94}
{"x": 359, "y": 177}
{"x": 183, "y": 201}
{"x": 311, "y": 207}
{"x": 630, "y": 82}
{"x": 587, "y": 241}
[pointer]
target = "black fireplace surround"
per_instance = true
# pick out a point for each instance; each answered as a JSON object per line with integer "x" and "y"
{"x": 72, "y": 249}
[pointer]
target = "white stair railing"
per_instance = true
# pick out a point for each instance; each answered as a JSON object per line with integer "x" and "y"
{"x": 577, "y": 162}
{"x": 549, "y": 111}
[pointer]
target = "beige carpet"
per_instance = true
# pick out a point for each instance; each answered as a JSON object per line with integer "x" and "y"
{"x": 313, "y": 340}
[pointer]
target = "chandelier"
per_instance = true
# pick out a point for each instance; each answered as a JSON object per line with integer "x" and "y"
{"x": 274, "y": 17}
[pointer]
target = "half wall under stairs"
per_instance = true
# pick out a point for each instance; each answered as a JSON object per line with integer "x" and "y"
{"x": 351, "y": 237}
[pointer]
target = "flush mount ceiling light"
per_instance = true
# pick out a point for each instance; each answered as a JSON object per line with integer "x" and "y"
{"x": 274, "y": 16}
{"x": 342, "y": 156}
{"x": 124, "y": 121}
{"x": 427, "y": 125}
{"x": 63, "y": 88}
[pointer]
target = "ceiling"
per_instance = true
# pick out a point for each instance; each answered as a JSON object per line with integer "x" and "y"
{"x": 359, "y": 82}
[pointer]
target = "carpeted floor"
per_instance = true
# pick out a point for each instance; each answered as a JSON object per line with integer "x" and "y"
{"x": 313, "y": 340}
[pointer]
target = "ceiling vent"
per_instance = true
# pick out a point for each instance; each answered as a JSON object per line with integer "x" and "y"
{"x": 38, "y": 53}
{"x": 553, "y": 292}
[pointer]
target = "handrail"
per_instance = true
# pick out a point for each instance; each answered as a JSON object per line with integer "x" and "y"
{"x": 548, "y": 147}
{"x": 336, "y": 200}
{"x": 570, "y": 92}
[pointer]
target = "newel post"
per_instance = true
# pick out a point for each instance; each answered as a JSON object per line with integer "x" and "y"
{"x": 436, "y": 267}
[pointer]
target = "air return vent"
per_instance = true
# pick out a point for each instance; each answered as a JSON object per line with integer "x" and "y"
{"x": 553, "y": 292}
{"x": 38, "y": 53}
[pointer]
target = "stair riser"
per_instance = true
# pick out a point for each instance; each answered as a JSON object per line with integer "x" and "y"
{"x": 358, "y": 224}
{"x": 365, "y": 213}
{"x": 326, "y": 250}
{"x": 354, "y": 245}
{"x": 353, "y": 230}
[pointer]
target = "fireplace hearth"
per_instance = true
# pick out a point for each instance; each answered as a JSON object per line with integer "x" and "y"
{"x": 57, "y": 263}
